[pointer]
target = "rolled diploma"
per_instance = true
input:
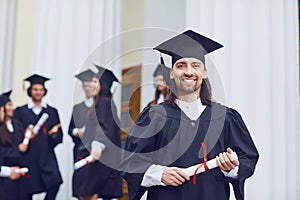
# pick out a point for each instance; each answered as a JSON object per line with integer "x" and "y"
{"x": 27, "y": 135}
{"x": 22, "y": 170}
{"x": 40, "y": 123}
{"x": 83, "y": 162}
{"x": 210, "y": 164}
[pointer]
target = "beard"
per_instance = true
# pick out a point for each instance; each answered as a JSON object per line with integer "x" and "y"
{"x": 183, "y": 89}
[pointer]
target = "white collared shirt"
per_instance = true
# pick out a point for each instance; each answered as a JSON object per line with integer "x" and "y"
{"x": 89, "y": 102}
{"x": 192, "y": 109}
{"x": 5, "y": 171}
{"x": 160, "y": 99}
{"x": 9, "y": 126}
{"x": 37, "y": 109}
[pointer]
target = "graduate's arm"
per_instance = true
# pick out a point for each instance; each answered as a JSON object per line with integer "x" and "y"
{"x": 239, "y": 139}
{"x": 18, "y": 115}
{"x": 108, "y": 120}
{"x": 55, "y": 132}
{"x": 10, "y": 152}
{"x": 107, "y": 130}
{"x": 71, "y": 130}
{"x": 96, "y": 150}
{"x": 9, "y": 172}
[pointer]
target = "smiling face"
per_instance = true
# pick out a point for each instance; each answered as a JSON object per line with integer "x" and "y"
{"x": 96, "y": 86}
{"x": 188, "y": 74}
{"x": 88, "y": 89}
{"x": 160, "y": 83}
{"x": 37, "y": 92}
{"x": 9, "y": 110}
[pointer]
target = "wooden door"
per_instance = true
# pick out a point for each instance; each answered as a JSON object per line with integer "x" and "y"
{"x": 130, "y": 106}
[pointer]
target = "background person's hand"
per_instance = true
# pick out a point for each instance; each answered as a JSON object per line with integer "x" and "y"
{"x": 80, "y": 132}
{"x": 14, "y": 175}
{"x": 23, "y": 147}
{"x": 96, "y": 155}
{"x": 54, "y": 129}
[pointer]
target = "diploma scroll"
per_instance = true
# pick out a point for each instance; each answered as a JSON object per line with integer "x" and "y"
{"x": 27, "y": 135}
{"x": 210, "y": 164}
{"x": 22, "y": 170}
{"x": 40, "y": 123}
{"x": 83, "y": 162}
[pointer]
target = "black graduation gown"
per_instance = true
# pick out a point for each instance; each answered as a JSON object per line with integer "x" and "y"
{"x": 40, "y": 157}
{"x": 85, "y": 180}
{"x": 11, "y": 156}
{"x": 78, "y": 120}
{"x": 110, "y": 135}
{"x": 164, "y": 135}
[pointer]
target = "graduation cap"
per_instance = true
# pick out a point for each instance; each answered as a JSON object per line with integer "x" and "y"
{"x": 164, "y": 71}
{"x": 188, "y": 44}
{"x": 86, "y": 75}
{"x": 37, "y": 79}
{"x": 5, "y": 97}
{"x": 105, "y": 76}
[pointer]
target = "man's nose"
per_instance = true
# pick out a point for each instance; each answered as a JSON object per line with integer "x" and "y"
{"x": 189, "y": 70}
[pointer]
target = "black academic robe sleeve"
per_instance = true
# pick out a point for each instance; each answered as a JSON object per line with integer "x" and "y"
{"x": 108, "y": 120}
{"x": 219, "y": 128}
{"x": 12, "y": 151}
{"x": 57, "y": 138}
{"x": 71, "y": 128}
{"x": 133, "y": 165}
{"x": 240, "y": 140}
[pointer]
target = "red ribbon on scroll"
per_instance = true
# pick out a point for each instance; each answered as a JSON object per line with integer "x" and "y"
{"x": 202, "y": 164}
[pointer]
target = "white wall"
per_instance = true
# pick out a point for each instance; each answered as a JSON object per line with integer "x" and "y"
{"x": 162, "y": 20}
{"x": 7, "y": 42}
{"x": 259, "y": 69}
{"x": 65, "y": 33}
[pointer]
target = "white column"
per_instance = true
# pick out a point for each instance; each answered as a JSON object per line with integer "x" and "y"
{"x": 259, "y": 68}
{"x": 7, "y": 42}
{"x": 66, "y": 32}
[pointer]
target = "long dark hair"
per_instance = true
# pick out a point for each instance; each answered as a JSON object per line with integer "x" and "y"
{"x": 205, "y": 93}
{"x": 104, "y": 93}
{"x": 5, "y": 134}
{"x": 157, "y": 94}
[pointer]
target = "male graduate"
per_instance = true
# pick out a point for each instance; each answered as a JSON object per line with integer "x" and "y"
{"x": 44, "y": 174}
{"x": 189, "y": 129}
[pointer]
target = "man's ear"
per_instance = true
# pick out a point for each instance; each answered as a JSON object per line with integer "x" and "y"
{"x": 171, "y": 74}
{"x": 204, "y": 75}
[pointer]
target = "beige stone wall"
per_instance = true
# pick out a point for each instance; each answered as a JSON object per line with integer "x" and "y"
{"x": 23, "y": 48}
{"x": 132, "y": 18}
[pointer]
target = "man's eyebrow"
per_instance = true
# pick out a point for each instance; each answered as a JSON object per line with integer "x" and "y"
{"x": 196, "y": 62}
{"x": 181, "y": 62}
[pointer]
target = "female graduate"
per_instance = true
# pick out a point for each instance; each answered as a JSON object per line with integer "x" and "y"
{"x": 101, "y": 136}
{"x": 161, "y": 78}
{"x": 106, "y": 112}
{"x": 11, "y": 146}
